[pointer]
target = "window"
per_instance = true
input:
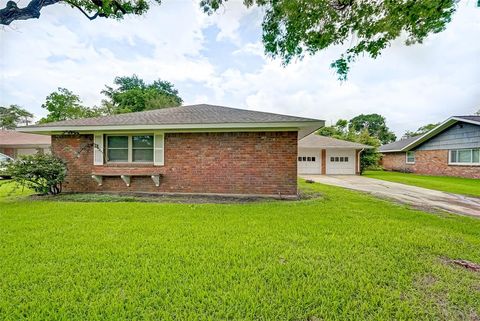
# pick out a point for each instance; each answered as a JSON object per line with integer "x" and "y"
{"x": 340, "y": 159}
{"x": 142, "y": 148}
{"x": 465, "y": 156}
{"x": 117, "y": 148}
{"x": 410, "y": 157}
{"x": 126, "y": 148}
{"x": 306, "y": 158}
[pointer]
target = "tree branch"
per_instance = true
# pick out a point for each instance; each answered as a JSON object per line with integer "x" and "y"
{"x": 12, "y": 12}
{"x": 83, "y": 11}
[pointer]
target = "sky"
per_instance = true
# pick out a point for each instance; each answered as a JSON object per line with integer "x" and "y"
{"x": 219, "y": 59}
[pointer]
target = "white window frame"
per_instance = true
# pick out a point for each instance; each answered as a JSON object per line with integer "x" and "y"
{"x": 462, "y": 163}
{"x": 130, "y": 148}
{"x": 406, "y": 157}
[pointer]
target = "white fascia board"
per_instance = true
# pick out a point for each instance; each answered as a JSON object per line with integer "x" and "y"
{"x": 174, "y": 127}
{"x": 467, "y": 120}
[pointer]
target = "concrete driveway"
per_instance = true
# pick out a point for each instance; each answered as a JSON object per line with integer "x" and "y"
{"x": 417, "y": 196}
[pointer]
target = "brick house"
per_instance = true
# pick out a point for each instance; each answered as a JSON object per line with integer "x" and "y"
{"x": 450, "y": 149}
{"x": 190, "y": 149}
{"x": 14, "y": 143}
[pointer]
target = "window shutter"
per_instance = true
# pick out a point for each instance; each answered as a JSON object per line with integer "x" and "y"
{"x": 98, "y": 149}
{"x": 158, "y": 149}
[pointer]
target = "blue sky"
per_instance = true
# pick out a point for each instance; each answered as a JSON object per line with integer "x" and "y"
{"x": 219, "y": 59}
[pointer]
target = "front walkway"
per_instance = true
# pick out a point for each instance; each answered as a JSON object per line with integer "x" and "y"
{"x": 417, "y": 196}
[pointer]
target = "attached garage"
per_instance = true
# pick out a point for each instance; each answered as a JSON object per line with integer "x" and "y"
{"x": 328, "y": 156}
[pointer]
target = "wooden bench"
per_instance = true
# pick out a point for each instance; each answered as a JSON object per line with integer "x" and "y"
{"x": 126, "y": 175}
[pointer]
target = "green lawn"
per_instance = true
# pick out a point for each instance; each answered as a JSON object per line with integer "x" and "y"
{"x": 344, "y": 256}
{"x": 457, "y": 185}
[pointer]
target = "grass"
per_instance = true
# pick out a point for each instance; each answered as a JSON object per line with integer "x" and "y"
{"x": 344, "y": 256}
{"x": 456, "y": 185}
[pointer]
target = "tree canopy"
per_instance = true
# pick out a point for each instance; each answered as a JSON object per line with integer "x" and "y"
{"x": 63, "y": 104}
{"x": 375, "y": 124}
{"x": 295, "y": 28}
{"x": 13, "y": 116}
{"x": 132, "y": 94}
{"x": 420, "y": 131}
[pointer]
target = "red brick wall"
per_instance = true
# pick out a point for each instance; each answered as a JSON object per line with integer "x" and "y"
{"x": 8, "y": 151}
{"x": 429, "y": 162}
{"x": 226, "y": 163}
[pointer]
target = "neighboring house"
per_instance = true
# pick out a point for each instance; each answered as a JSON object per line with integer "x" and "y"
{"x": 14, "y": 143}
{"x": 325, "y": 155}
{"x": 188, "y": 149}
{"x": 451, "y": 149}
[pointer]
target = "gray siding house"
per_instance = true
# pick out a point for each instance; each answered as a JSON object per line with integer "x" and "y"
{"x": 451, "y": 149}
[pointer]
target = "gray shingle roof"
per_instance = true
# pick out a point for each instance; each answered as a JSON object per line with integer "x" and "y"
{"x": 398, "y": 145}
{"x": 192, "y": 114}
{"x": 317, "y": 141}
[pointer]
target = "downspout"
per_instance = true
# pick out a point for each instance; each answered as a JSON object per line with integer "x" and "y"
{"x": 358, "y": 161}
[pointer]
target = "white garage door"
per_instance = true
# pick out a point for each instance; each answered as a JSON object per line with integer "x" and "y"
{"x": 340, "y": 162}
{"x": 309, "y": 162}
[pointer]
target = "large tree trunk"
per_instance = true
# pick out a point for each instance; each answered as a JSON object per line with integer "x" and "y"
{"x": 12, "y": 12}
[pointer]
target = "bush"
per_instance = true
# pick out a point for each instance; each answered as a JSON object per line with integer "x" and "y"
{"x": 42, "y": 173}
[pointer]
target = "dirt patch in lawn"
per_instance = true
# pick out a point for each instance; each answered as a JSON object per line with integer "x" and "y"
{"x": 468, "y": 265}
{"x": 165, "y": 198}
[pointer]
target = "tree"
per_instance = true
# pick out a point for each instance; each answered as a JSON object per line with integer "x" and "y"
{"x": 92, "y": 9}
{"x": 133, "y": 94}
{"x": 41, "y": 172}
{"x": 13, "y": 116}
{"x": 420, "y": 131}
{"x": 339, "y": 130}
{"x": 293, "y": 28}
{"x": 376, "y": 126}
{"x": 65, "y": 105}
{"x": 369, "y": 157}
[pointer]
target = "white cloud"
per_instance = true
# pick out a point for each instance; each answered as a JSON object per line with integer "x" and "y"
{"x": 411, "y": 86}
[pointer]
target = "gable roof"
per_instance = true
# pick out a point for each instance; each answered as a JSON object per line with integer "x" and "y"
{"x": 408, "y": 144}
{"x": 185, "y": 117}
{"x": 398, "y": 145}
{"x": 11, "y": 138}
{"x": 317, "y": 141}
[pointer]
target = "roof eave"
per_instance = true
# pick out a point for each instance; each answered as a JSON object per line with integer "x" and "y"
{"x": 304, "y": 127}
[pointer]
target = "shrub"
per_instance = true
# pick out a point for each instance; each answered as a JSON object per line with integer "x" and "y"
{"x": 42, "y": 173}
